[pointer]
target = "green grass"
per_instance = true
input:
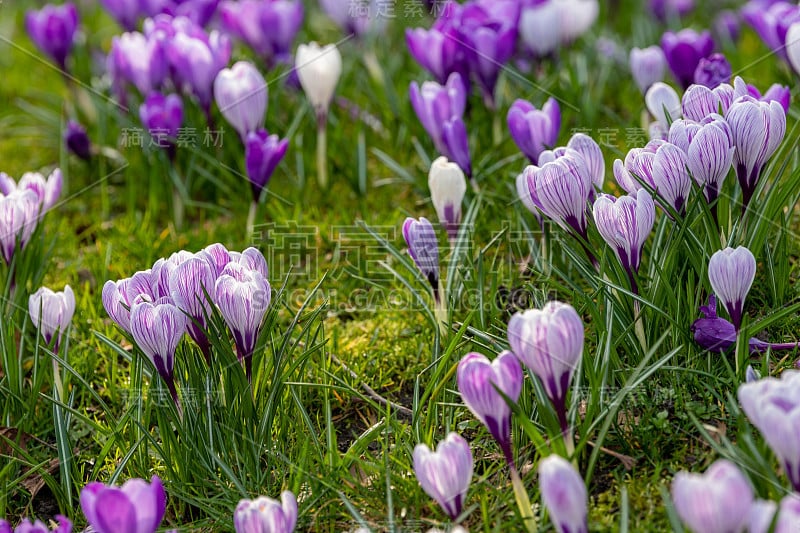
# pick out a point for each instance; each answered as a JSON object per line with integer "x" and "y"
{"x": 354, "y": 311}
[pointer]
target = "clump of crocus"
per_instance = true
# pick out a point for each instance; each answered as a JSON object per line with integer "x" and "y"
{"x": 647, "y": 66}
{"x": 266, "y": 514}
{"x": 715, "y": 502}
{"x": 51, "y": 313}
{"x": 731, "y": 273}
{"x": 534, "y": 130}
{"x": 26, "y": 526}
{"x": 445, "y": 474}
{"x": 564, "y": 494}
{"x": 52, "y": 29}
{"x": 318, "y": 69}
{"x": 135, "y": 506}
{"x": 684, "y": 50}
{"x": 241, "y": 95}
{"x": 479, "y": 381}
{"x": 448, "y": 185}
{"x": 268, "y": 28}
{"x": 77, "y": 141}
{"x": 773, "y": 406}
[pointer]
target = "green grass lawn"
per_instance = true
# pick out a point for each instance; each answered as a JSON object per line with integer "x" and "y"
{"x": 353, "y": 372}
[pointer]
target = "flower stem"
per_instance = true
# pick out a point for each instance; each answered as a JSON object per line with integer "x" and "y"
{"x": 523, "y": 502}
{"x": 251, "y": 219}
{"x": 440, "y": 309}
{"x": 322, "y": 150}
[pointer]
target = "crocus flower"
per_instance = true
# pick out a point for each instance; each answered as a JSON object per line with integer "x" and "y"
{"x": 52, "y": 29}
{"x": 773, "y": 406}
{"x": 540, "y": 27}
{"x": 423, "y": 247}
{"x": 712, "y": 71}
{"x": 436, "y": 104}
{"x": 253, "y": 259}
{"x": 268, "y": 27}
{"x": 198, "y": 11}
{"x": 763, "y": 512}
{"x": 479, "y": 381}
{"x": 116, "y": 302}
{"x": 699, "y": 101}
{"x": 534, "y": 130}
{"x": 564, "y": 494}
{"x": 19, "y": 215}
{"x": 715, "y": 502}
{"x": 663, "y": 103}
{"x": 684, "y": 50}
{"x": 136, "y": 506}
{"x": 319, "y": 69}
{"x": 710, "y": 154}
{"x": 448, "y": 185}
{"x": 26, "y": 526}
{"x": 191, "y": 284}
{"x": 47, "y": 190}
{"x": 77, "y": 141}
{"x": 262, "y": 153}
{"x": 731, "y": 273}
{"x": 671, "y": 176}
{"x": 161, "y": 272}
{"x": 266, "y": 515}
{"x": 157, "y": 329}
{"x": 445, "y": 474}
{"x": 137, "y": 59}
{"x": 772, "y": 20}
{"x": 549, "y": 341}
{"x": 647, "y": 66}
{"x": 727, "y": 26}
{"x": 625, "y": 223}
{"x": 758, "y": 129}
{"x": 162, "y": 116}
{"x": 126, "y": 12}
{"x": 439, "y": 51}
{"x": 592, "y": 156}
{"x": 456, "y": 144}
{"x": 638, "y": 166}
{"x": 241, "y": 95}
{"x": 217, "y": 257}
{"x": 243, "y": 297}
{"x": 51, "y": 313}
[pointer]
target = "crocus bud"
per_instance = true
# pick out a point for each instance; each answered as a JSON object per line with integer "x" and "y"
{"x": 52, "y": 29}
{"x": 262, "y": 154}
{"x": 19, "y": 215}
{"x": 436, "y": 104}
{"x": 319, "y": 69}
{"x": 715, "y": 502}
{"x": 162, "y": 116}
{"x": 423, "y": 247}
{"x": 253, "y": 259}
{"x": 638, "y": 167}
{"x": 448, "y": 186}
{"x": 51, "y": 312}
{"x": 241, "y": 95}
{"x": 135, "y": 506}
{"x": 534, "y": 130}
{"x": 77, "y": 141}
{"x": 47, "y": 190}
{"x": 710, "y": 155}
{"x": 191, "y": 284}
{"x": 731, "y": 273}
{"x": 479, "y": 381}
{"x": 269, "y": 28}
{"x": 445, "y": 474}
{"x": 751, "y": 374}
{"x": 116, "y": 303}
{"x": 592, "y": 156}
{"x": 663, "y": 103}
{"x": 540, "y": 27}
{"x": 758, "y": 129}
{"x": 671, "y": 176}
{"x": 625, "y": 223}
{"x": 647, "y": 66}
{"x": 265, "y": 514}
{"x": 684, "y": 50}
{"x": 712, "y": 71}
{"x": 138, "y": 59}
{"x": 26, "y": 526}
{"x": 549, "y": 341}
{"x": 439, "y": 51}
{"x": 456, "y": 144}
{"x": 157, "y": 329}
{"x": 564, "y": 494}
{"x": 195, "y": 59}
{"x": 243, "y": 297}
{"x": 699, "y": 101}
{"x": 357, "y": 22}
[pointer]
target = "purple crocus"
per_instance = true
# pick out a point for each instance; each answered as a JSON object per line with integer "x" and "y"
{"x": 136, "y": 506}
{"x": 253, "y": 259}
{"x": 217, "y": 257}
{"x": 26, "y": 526}
{"x": 625, "y": 223}
{"x": 712, "y": 71}
{"x": 731, "y": 273}
{"x": 671, "y": 176}
{"x": 128, "y": 12}
{"x": 592, "y": 156}
{"x": 647, "y": 66}
{"x": 439, "y": 51}
{"x": 549, "y": 341}
{"x": 243, "y": 296}
{"x": 436, "y": 104}
{"x": 366, "y": 17}
{"x": 684, "y": 50}
{"x": 717, "y": 501}
{"x": 710, "y": 153}
{"x": 667, "y": 9}
{"x": 758, "y": 129}
{"x": 262, "y": 153}
{"x": 727, "y": 26}
{"x": 157, "y": 329}
{"x": 564, "y": 494}
{"x": 445, "y": 474}
{"x": 638, "y": 167}
{"x": 448, "y": 185}
{"x": 47, "y": 190}
{"x": 191, "y": 284}
{"x": 267, "y": 27}
{"x": 77, "y": 141}
{"x": 534, "y": 130}
{"x": 241, "y": 95}
{"x": 699, "y": 101}
{"x": 456, "y": 144}
{"x": 19, "y": 215}
{"x": 51, "y": 313}
{"x": 479, "y": 382}
{"x": 772, "y": 20}
{"x": 116, "y": 302}
{"x": 776, "y": 92}
{"x": 423, "y": 247}
{"x": 139, "y": 60}
{"x": 52, "y": 29}
{"x": 266, "y": 514}
{"x": 162, "y": 116}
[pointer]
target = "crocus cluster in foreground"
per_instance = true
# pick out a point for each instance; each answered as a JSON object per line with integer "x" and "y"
{"x": 178, "y": 295}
